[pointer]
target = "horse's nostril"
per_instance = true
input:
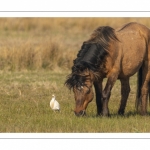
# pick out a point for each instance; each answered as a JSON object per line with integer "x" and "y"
{"x": 80, "y": 113}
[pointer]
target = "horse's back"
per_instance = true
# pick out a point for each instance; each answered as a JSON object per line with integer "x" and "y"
{"x": 133, "y": 43}
{"x": 133, "y": 26}
{"x": 134, "y": 29}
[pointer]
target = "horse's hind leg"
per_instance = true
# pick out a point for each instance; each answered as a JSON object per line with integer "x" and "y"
{"x": 125, "y": 90}
{"x": 143, "y": 97}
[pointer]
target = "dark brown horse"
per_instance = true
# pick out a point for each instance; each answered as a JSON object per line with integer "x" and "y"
{"x": 112, "y": 54}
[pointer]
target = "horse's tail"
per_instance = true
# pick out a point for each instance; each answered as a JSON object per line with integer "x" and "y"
{"x": 139, "y": 85}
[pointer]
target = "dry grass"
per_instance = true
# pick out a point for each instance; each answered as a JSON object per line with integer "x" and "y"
{"x": 47, "y": 43}
{"x": 34, "y": 54}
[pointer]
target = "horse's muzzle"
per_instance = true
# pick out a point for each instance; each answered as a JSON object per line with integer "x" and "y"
{"x": 80, "y": 113}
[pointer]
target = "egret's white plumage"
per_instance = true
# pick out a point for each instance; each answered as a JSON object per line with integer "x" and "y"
{"x": 54, "y": 104}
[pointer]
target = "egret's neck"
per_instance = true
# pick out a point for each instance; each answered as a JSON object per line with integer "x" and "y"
{"x": 53, "y": 97}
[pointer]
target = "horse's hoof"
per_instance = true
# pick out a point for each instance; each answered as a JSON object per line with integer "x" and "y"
{"x": 106, "y": 115}
{"x": 143, "y": 113}
{"x": 121, "y": 113}
{"x": 99, "y": 115}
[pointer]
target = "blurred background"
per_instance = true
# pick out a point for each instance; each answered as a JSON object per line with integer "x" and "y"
{"x": 48, "y": 43}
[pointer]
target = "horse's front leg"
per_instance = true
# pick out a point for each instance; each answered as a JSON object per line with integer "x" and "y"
{"x": 98, "y": 92}
{"x": 107, "y": 92}
{"x": 125, "y": 90}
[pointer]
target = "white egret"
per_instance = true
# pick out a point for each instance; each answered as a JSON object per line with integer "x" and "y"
{"x": 54, "y": 104}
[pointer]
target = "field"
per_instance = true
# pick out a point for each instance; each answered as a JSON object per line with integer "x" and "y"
{"x": 36, "y": 55}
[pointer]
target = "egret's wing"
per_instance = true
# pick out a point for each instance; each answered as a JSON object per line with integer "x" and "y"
{"x": 56, "y": 105}
{"x": 52, "y": 104}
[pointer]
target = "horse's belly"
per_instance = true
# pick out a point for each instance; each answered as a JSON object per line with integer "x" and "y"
{"x": 130, "y": 67}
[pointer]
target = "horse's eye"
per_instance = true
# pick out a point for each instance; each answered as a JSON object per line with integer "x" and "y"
{"x": 80, "y": 88}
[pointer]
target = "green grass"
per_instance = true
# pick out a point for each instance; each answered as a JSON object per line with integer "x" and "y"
{"x": 24, "y": 107}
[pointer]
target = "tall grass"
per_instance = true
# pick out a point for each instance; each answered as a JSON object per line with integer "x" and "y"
{"x": 47, "y": 43}
{"x": 46, "y": 54}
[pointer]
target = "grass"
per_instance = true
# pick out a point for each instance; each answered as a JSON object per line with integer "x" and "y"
{"x": 25, "y": 100}
{"x": 36, "y": 55}
{"x": 24, "y": 107}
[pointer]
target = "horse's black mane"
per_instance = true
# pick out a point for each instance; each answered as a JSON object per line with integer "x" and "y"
{"x": 88, "y": 57}
{"x": 91, "y": 56}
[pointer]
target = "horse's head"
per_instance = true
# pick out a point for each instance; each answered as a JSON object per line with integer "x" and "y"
{"x": 83, "y": 95}
{"x": 82, "y": 88}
